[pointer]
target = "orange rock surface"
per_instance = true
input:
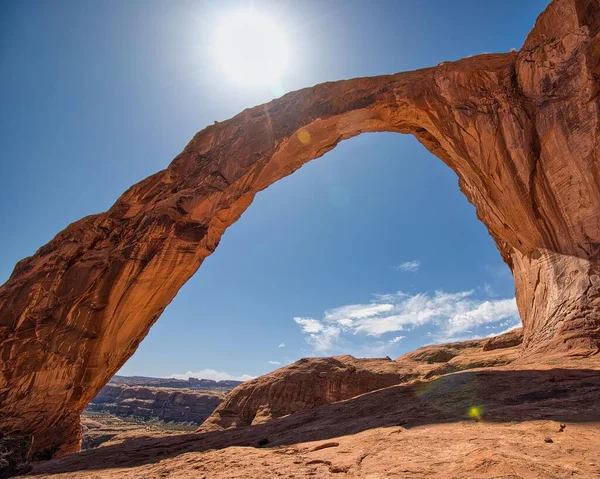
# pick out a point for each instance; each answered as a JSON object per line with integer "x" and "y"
{"x": 312, "y": 382}
{"x": 501, "y": 422}
{"x": 305, "y": 384}
{"x": 519, "y": 129}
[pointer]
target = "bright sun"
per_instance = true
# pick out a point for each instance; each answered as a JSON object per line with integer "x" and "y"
{"x": 251, "y": 48}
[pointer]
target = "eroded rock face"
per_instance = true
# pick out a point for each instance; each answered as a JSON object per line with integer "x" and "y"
{"x": 312, "y": 382}
{"x": 507, "y": 340}
{"x": 305, "y": 384}
{"x": 519, "y": 129}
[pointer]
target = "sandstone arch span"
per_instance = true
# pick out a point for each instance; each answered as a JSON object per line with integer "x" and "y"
{"x": 520, "y": 130}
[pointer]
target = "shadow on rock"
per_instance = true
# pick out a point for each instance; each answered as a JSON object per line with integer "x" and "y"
{"x": 565, "y": 395}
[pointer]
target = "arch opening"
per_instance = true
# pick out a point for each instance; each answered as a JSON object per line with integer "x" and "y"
{"x": 334, "y": 233}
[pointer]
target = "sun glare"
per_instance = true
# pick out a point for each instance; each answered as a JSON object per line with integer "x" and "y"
{"x": 251, "y": 48}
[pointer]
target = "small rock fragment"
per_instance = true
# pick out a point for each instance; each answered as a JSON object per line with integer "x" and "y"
{"x": 338, "y": 469}
{"x": 325, "y": 445}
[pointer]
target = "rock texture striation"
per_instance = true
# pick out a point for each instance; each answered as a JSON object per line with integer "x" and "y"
{"x": 312, "y": 382}
{"x": 164, "y": 404}
{"x": 519, "y": 129}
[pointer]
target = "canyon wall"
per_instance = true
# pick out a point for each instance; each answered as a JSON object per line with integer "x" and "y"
{"x": 157, "y": 403}
{"x": 519, "y": 129}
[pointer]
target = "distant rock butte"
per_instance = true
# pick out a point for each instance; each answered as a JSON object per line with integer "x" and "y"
{"x": 312, "y": 382}
{"x": 164, "y": 404}
{"x": 519, "y": 129}
{"x": 190, "y": 383}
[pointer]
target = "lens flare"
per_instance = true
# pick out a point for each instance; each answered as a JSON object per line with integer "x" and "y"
{"x": 304, "y": 136}
{"x": 476, "y": 412}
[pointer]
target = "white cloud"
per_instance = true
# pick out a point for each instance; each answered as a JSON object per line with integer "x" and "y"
{"x": 274, "y": 363}
{"x": 212, "y": 374}
{"x": 323, "y": 340}
{"x": 450, "y": 314}
{"x": 320, "y": 337}
{"x": 309, "y": 325}
{"x": 410, "y": 266}
{"x": 484, "y": 313}
{"x": 346, "y": 315}
{"x": 411, "y": 311}
{"x": 282, "y": 345}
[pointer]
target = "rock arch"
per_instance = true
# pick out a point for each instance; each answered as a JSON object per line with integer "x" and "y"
{"x": 520, "y": 130}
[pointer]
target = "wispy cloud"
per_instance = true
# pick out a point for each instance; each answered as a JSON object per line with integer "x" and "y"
{"x": 484, "y": 313}
{"x": 274, "y": 363}
{"x": 282, "y": 345}
{"x": 212, "y": 374}
{"x": 450, "y": 314}
{"x": 410, "y": 266}
{"x": 347, "y": 315}
{"x": 511, "y": 326}
{"x": 309, "y": 325}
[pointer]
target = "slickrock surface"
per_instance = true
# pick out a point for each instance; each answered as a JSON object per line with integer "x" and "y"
{"x": 312, "y": 382}
{"x": 502, "y": 422}
{"x": 432, "y": 361}
{"x": 503, "y": 341}
{"x": 519, "y": 129}
{"x": 101, "y": 427}
{"x": 165, "y": 404}
{"x": 305, "y": 384}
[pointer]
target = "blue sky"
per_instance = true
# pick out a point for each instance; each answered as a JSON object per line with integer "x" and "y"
{"x": 370, "y": 250}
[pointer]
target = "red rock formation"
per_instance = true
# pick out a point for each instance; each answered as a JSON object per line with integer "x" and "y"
{"x": 519, "y": 129}
{"x": 312, "y": 382}
{"x": 305, "y": 384}
{"x": 506, "y": 340}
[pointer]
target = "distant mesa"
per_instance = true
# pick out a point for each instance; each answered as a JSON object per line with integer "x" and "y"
{"x": 190, "y": 383}
{"x": 151, "y": 403}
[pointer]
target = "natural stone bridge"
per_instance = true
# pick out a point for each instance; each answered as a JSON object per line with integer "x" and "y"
{"x": 519, "y": 129}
